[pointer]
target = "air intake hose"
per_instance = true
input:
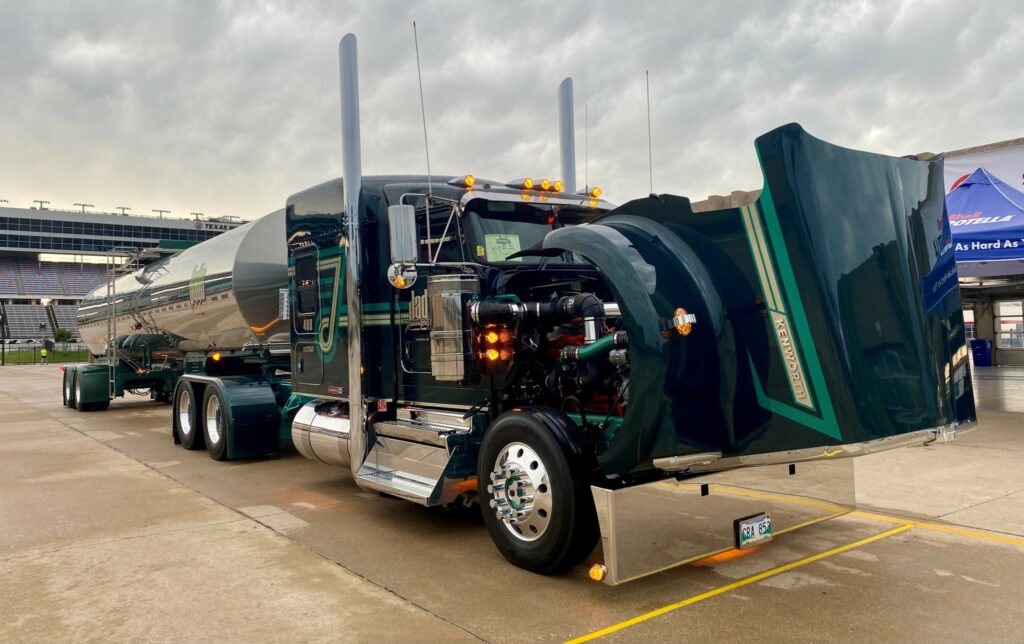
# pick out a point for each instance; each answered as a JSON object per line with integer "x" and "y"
{"x": 563, "y": 309}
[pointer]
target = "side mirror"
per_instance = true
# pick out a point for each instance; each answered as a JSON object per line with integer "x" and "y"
{"x": 402, "y": 233}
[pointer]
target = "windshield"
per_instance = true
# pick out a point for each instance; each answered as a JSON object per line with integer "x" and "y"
{"x": 497, "y": 229}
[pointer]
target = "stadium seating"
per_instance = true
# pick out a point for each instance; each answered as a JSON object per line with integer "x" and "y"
{"x": 80, "y": 279}
{"x": 9, "y": 277}
{"x": 39, "y": 278}
{"x": 24, "y": 320}
{"x": 67, "y": 317}
{"x": 29, "y": 277}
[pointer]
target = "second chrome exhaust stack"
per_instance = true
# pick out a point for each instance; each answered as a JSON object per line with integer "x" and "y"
{"x": 352, "y": 174}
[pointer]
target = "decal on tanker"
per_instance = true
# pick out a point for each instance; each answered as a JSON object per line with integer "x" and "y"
{"x": 197, "y": 289}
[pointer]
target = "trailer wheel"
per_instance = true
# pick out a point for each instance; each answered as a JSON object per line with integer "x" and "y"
{"x": 532, "y": 478}
{"x": 66, "y": 388}
{"x": 186, "y": 416}
{"x": 215, "y": 423}
{"x": 76, "y": 393}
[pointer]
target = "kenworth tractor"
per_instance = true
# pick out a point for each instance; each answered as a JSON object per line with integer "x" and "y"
{"x": 642, "y": 385}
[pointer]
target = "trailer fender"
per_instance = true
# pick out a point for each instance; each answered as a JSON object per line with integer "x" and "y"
{"x": 94, "y": 388}
{"x": 252, "y": 418}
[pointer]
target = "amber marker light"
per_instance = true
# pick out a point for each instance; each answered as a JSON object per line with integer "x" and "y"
{"x": 216, "y": 357}
{"x": 545, "y": 184}
{"x": 469, "y": 181}
{"x": 492, "y": 354}
{"x": 682, "y": 322}
{"x": 528, "y": 183}
{"x": 491, "y": 337}
{"x": 597, "y": 572}
{"x": 596, "y": 192}
{"x": 559, "y": 185}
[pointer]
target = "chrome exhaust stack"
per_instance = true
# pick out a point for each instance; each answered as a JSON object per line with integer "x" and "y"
{"x": 567, "y": 135}
{"x": 352, "y": 173}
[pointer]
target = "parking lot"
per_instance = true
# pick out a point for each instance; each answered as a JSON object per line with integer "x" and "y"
{"x": 108, "y": 531}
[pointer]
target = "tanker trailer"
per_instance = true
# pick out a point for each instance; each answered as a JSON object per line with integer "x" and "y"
{"x": 196, "y": 328}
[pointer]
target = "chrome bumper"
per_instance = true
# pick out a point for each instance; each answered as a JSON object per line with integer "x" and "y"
{"x": 650, "y": 528}
{"x": 653, "y": 527}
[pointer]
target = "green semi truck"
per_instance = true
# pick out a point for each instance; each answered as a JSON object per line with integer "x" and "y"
{"x": 591, "y": 375}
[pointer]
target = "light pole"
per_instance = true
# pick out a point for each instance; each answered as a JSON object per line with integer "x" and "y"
{"x": 41, "y": 203}
{"x": 83, "y": 206}
{"x": 122, "y": 208}
{"x": 198, "y": 215}
{"x": 160, "y": 212}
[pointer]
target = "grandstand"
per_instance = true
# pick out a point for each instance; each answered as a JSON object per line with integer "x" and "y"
{"x": 51, "y": 259}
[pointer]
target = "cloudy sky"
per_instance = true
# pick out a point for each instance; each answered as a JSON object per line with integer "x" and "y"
{"x": 228, "y": 107}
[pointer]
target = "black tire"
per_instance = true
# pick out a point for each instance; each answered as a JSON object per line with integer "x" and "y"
{"x": 76, "y": 393}
{"x": 65, "y": 387}
{"x": 215, "y": 423}
{"x": 100, "y": 406}
{"x": 562, "y": 536}
{"x": 189, "y": 428}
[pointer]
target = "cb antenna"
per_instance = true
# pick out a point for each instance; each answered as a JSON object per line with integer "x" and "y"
{"x": 586, "y": 145}
{"x": 650, "y": 154}
{"x": 423, "y": 110}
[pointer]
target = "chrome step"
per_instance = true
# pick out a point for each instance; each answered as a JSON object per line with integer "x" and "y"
{"x": 428, "y": 426}
{"x": 409, "y": 470}
{"x": 416, "y": 431}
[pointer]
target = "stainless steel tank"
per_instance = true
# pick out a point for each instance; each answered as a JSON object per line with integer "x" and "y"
{"x": 220, "y": 294}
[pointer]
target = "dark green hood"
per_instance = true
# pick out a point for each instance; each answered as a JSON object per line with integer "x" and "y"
{"x": 812, "y": 327}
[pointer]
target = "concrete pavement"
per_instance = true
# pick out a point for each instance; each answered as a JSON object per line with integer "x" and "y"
{"x": 110, "y": 532}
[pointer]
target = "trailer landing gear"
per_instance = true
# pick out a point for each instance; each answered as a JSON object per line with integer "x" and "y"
{"x": 535, "y": 496}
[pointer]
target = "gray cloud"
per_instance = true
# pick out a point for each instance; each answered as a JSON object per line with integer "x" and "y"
{"x": 228, "y": 107}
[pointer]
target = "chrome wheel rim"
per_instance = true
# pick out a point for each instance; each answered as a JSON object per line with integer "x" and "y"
{"x": 185, "y": 412}
{"x": 67, "y": 389}
{"x": 520, "y": 492}
{"x": 78, "y": 388}
{"x": 213, "y": 419}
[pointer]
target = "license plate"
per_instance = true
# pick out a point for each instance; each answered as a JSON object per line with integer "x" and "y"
{"x": 753, "y": 530}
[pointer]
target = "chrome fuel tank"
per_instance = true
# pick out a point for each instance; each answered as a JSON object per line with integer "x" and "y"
{"x": 220, "y": 294}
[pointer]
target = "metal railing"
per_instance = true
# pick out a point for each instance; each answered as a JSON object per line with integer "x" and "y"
{"x": 31, "y": 353}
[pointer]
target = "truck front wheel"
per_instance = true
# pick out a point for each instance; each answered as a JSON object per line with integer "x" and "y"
{"x": 533, "y": 489}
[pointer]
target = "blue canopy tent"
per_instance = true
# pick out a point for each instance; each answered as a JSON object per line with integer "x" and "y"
{"x": 986, "y": 217}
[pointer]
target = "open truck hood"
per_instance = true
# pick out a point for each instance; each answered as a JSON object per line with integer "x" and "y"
{"x": 828, "y": 311}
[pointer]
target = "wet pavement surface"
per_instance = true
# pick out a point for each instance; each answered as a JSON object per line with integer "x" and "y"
{"x": 110, "y": 532}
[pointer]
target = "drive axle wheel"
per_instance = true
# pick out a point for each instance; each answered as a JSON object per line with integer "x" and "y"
{"x": 215, "y": 423}
{"x": 532, "y": 477}
{"x": 186, "y": 416}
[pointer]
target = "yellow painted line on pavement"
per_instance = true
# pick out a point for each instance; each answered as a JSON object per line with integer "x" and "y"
{"x": 970, "y": 533}
{"x": 733, "y": 586}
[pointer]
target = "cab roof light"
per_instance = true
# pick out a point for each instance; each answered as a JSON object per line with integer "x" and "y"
{"x": 523, "y": 183}
{"x": 594, "y": 192}
{"x": 466, "y": 181}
